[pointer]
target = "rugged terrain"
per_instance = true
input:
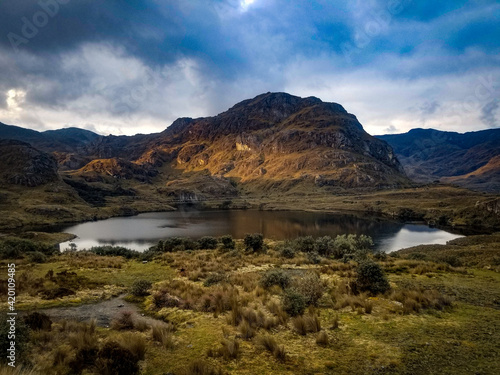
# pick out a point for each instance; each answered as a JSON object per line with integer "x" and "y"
{"x": 470, "y": 160}
{"x": 266, "y": 152}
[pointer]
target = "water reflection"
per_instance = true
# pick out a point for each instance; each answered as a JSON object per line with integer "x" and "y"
{"x": 142, "y": 231}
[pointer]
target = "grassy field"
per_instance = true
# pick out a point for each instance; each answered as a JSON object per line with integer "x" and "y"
{"x": 296, "y": 307}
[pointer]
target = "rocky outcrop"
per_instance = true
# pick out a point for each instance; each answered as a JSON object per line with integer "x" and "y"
{"x": 21, "y": 164}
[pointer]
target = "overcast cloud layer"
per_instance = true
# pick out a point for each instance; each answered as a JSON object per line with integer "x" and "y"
{"x": 126, "y": 67}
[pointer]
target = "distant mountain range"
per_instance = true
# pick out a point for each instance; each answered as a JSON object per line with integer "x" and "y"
{"x": 470, "y": 160}
{"x": 273, "y": 141}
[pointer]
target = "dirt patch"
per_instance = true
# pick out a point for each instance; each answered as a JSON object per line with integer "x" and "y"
{"x": 103, "y": 312}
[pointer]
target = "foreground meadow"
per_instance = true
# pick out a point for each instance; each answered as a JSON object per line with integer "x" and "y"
{"x": 256, "y": 306}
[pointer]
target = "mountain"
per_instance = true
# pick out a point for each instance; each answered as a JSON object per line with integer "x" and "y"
{"x": 61, "y": 140}
{"x": 21, "y": 164}
{"x": 274, "y": 140}
{"x": 278, "y": 140}
{"x": 469, "y": 160}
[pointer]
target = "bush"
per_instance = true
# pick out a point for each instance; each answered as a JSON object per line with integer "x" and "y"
{"x": 57, "y": 293}
{"x": 311, "y": 287}
{"x": 37, "y": 257}
{"x": 276, "y": 277}
{"x": 313, "y": 257}
{"x": 14, "y": 248}
{"x": 254, "y": 242}
{"x": 113, "y": 359}
{"x": 208, "y": 243}
{"x": 227, "y": 242}
{"x": 350, "y": 244}
{"x": 38, "y": 321}
{"x": 294, "y": 302}
{"x": 324, "y": 245}
{"x": 371, "y": 278}
{"x": 140, "y": 288}
{"x": 116, "y": 251}
{"x": 287, "y": 252}
{"x": 304, "y": 244}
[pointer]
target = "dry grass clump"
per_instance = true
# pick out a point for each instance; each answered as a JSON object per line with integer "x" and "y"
{"x": 269, "y": 343}
{"x": 248, "y": 280}
{"x": 186, "y": 295}
{"x": 135, "y": 343}
{"x": 322, "y": 338}
{"x": 201, "y": 367}
{"x": 416, "y": 300}
{"x": 124, "y": 321}
{"x": 230, "y": 349}
{"x": 163, "y": 334}
{"x": 306, "y": 324}
{"x": 277, "y": 310}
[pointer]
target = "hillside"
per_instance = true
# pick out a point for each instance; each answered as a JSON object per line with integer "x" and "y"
{"x": 278, "y": 140}
{"x": 428, "y": 155}
{"x": 275, "y": 140}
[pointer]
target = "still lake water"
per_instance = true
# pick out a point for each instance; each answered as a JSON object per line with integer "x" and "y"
{"x": 144, "y": 230}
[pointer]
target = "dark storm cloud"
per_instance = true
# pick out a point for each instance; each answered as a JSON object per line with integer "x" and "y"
{"x": 100, "y": 54}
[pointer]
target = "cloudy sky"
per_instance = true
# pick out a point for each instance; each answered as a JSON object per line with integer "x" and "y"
{"x": 126, "y": 67}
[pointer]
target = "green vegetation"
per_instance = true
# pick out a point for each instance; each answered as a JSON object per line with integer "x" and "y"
{"x": 421, "y": 310}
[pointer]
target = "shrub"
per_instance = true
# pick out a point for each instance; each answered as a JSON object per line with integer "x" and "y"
{"x": 287, "y": 252}
{"x": 113, "y": 359}
{"x": 208, "y": 243}
{"x": 304, "y": 244}
{"x": 294, "y": 302}
{"x": 116, "y": 251}
{"x": 227, "y": 242}
{"x": 254, "y": 242}
{"x": 371, "y": 278}
{"x": 37, "y": 257}
{"x": 276, "y": 277}
{"x": 38, "y": 321}
{"x": 140, "y": 288}
{"x": 214, "y": 278}
{"x": 324, "y": 245}
{"x": 57, "y": 293}
{"x": 311, "y": 287}
{"x": 313, "y": 257}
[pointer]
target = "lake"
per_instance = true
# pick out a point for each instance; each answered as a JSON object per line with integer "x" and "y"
{"x": 144, "y": 230}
